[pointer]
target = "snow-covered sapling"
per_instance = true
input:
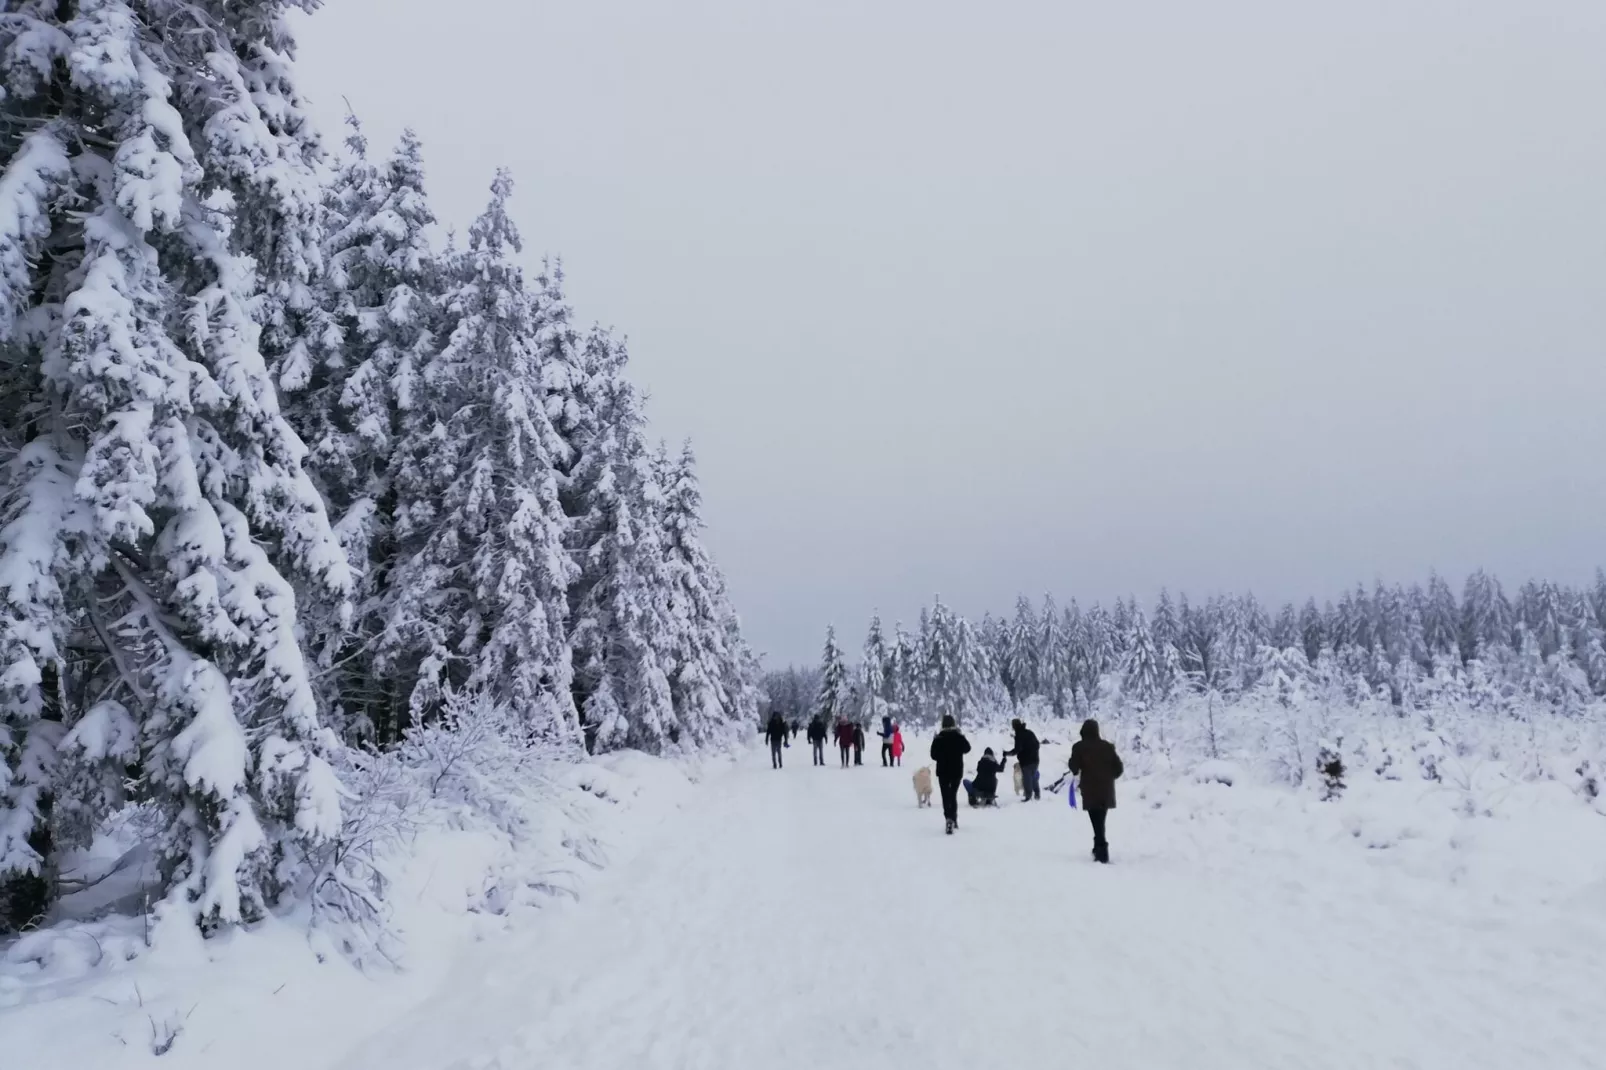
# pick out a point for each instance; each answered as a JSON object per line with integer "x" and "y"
{"x": 1330, "y": 764}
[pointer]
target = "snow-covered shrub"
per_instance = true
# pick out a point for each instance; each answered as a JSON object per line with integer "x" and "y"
{"x": 1589, "y": 780}
{"x": 1330, "y": 764}
{"x": 351, "y": 882}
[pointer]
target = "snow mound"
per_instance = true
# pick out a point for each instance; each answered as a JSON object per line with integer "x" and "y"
{"x": 1217, "y": 771}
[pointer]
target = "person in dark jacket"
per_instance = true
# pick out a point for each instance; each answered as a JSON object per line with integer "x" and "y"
{"x": 858, "y": 743}
{"x": 817, "y": 738}
{"x": 844, "y": 740}
{"x": 1095, "y": 762}
{"x": 948, "y": 752}
{"x": 795, "y": 727}
{"x": 776, "y": 734}
{"x": 886, "y": 741}
{"x": 1025, "y": 752}
{"x": 983, "y": 790}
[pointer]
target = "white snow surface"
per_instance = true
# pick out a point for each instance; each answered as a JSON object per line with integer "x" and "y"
{"x": 815, "y": 918}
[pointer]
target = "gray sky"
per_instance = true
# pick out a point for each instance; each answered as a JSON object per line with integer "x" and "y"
{"x": 1093, "y": 298}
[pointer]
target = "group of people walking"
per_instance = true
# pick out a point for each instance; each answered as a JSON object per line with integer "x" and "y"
{"x": 1093, "y": 762}
{"x": 849, "y": 737}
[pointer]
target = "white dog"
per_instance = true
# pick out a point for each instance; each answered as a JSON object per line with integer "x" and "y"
{"x": 923, "y": 786}
{"x": 1020, "y": 782}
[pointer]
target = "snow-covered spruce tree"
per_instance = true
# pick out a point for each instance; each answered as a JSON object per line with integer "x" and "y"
{"x": 875, "y": 670}
{"x": 1019, "y": 667}
{"x": 158, "y": 207}
{"x": 833, "y": 700}
{"x": 621, "y": 632}
{"x": 903, "y": 673}
{"x": 709, "y": 675}
{"x": 479, "y": 593}
{"x": 1143, "y": 673}
{"x": 1053, "y": 670}
{"x": 383, "y": 284}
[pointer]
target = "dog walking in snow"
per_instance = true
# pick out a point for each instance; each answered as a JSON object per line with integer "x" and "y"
{"x": 1020, "y": 783}
{"x": 923, "y": 786}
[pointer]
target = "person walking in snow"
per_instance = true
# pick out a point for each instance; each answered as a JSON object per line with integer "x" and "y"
{"x": 794, "y": 728}
{"x": 897, "y": 745}
{"x": 1098, "y": 767}
{"x": 1025, "y": 752}
{"x": 858, "y": 743}
{"x": 817, "y": 738}
{"x": 776, "y": 733}
{"x": 983, "y": 790}
{"x": 948, "y": 752}
{"x": 886, "y": 741}
{"x": 844, "y": 740}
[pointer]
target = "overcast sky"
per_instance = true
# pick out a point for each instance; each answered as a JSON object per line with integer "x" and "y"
{"x": 972, "y": 299}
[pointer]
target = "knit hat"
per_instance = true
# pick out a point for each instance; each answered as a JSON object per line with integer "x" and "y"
{"x": 988, "y": 752}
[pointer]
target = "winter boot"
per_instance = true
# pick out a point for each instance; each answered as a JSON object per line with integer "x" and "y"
{"x": 950, "y": 826}
{"x": 1101, "y": 852}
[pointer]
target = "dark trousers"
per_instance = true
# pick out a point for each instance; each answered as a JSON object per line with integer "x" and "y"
{"x": 949, "y": 787}
{"x": 847, "y": 753}
{"x": 775, "y": 753}
{"x": 1030, "y": 787}
{"x": 858, "y": 754}
{"x": 1101, "y": 846}
{"x": 886, "y": 753}
{"x": 819, "y": 752}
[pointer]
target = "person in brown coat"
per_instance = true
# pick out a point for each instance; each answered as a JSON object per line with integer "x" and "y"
{"x": 1095, "y": 763}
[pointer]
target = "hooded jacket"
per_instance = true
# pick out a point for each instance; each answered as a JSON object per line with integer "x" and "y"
{"x": 948, "y": 751}
{"x": 986, "y": 779}
{"x": 1095, "y": 761}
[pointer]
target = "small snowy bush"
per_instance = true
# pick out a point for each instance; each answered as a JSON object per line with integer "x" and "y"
{"x": 1330, "y": 764}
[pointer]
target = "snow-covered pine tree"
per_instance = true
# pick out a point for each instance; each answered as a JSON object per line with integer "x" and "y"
{"x": 833, "y": 700}
{"x": 707, "y": 675}
{"x": 1053, "y": 672}
{"x": 480, "y": 590}
{"x": 1441, "y": 626}
{"x": 1165, "y": 627}
{"x": 1142, "y": 672}
{"x": 1487, "y": 625}
{"x": 875, "y": 669}
{"x": 384, "y": 284}
{"x": 1019, "y": 668}
{"x": 903, "y": 673}
{"x": 621, "y": 637}
{"x": 1312, "y": 630}
{"x": 159, "y": 206}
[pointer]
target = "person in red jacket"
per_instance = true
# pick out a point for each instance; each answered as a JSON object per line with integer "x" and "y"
{"x": 897, "y": 745}
{"x": 844, "y": 740}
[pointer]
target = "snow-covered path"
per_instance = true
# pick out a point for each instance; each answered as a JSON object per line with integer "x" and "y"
{"x": 814, "y": 918}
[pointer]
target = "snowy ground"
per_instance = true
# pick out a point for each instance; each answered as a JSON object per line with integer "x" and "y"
{"x": 813, "y": 917}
